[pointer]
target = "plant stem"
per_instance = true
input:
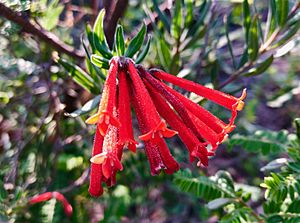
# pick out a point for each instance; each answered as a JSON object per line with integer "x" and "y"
{"x": 44, "y": 35}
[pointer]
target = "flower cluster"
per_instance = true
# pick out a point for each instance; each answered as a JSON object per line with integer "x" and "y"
{"x": 162, "y": 112}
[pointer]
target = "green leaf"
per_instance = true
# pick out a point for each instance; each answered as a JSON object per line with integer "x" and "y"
{"x": 189, "y": 13}
{"x": 260, "y": 67}
{"x": 3, "y": 192}
{"x": 295, "y": 166}
{"x": 294, "y": 207}
{"x": 141, "y": 56}
{"x": 164, "y": 53}
{"x": 99, "y": 36}
{"x": 90, "y": 37}
{"x": 86, "y": 108}
{"x": 50, "y": 17}
{"x": 119, "y": 40}
{"x": 282, "y": 11}
{"x": 203, "y": 12}
{"x": 94, "y": 71}
{"x": 253, "y": 42}
{"x": 247, "y": 18}
{"x": 100, "y": 61}
{"x": 263, "y": 141}
{"x": 136, "y": 43}
{"x": 218, "y": 203}
{"x": 161, "y": 15}
{"x": 271, "y": 23}
{"x": 275, "y": 219}
{"x": 288, "y": 35}
{"x": 190, "y": 41}
{"x": 207, "y": 188}
{"x": 177, "y": 20}
{"x": 80, "y": 76}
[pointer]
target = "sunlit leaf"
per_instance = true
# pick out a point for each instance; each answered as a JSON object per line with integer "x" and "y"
{"x": 141, "y": 56}
{"x": 100, "y": 61}
{"x": 136, "y": 42}
{"x": 260, "y": 67}
{"x": 119, "y": 40}
{"x": 177, "y": 20}
{"x": 253, "y": 43}
{"x": 87, "y": 107}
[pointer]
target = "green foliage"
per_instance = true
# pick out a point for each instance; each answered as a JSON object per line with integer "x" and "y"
{"x": 136, "y": 42}
{"x": 265, "y": 142}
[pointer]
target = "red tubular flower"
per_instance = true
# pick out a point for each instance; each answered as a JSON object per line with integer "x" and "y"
{"x": 129, "y": 84}
{"x": 212, "y": 121}
{"x": 218, "y": 97}
{"x": 95, "y": 188}
{"x": 156, "y": 149}
{"x": 56, "y": 195}
{"x": 156, "y": 127}
{"x": 126, "y": 132}
{"x": 104, "y": 117}
{"x": 186, "y": 135}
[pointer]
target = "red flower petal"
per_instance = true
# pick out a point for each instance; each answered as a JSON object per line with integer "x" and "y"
{"x": 95, "y": 188}
{"x": 40, "y": 198}
{"x": 218, "y": 97}
{"x": 185, "y": 134}
{"x": 154, "y": 124}
{"x": 104, "y": 117}
{"x": 125, "y": 132}
{"x": 67, "y": 206}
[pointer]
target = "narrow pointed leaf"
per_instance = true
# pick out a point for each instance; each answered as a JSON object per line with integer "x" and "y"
{"x": 247, "y": 18}
{"x": 144, "y": 52}
{"x": 80, "y": 76}
{"x": 100, "y": 61}
{"x": 288, "y": 35}
{"x": 90, "y": 37}
{"x": 253, "y": 43}
{"x": 94, "y": 71}
{"x": 86, "y": 108}
{"x": 99, "y": 36}
{"x": 119, "y": 40}
{"x": 260, "y": 68}
{"x": 203, "y": 12}
{"x": 161, "y": 15}
{"x": 189, "y": 13}
{"x": 282, "y": 11}
{"x": 164, "y": 53}
{"x": 271, "y": 23}
{"x": 136, "y": 43}
{"x": 177, "y": 20}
